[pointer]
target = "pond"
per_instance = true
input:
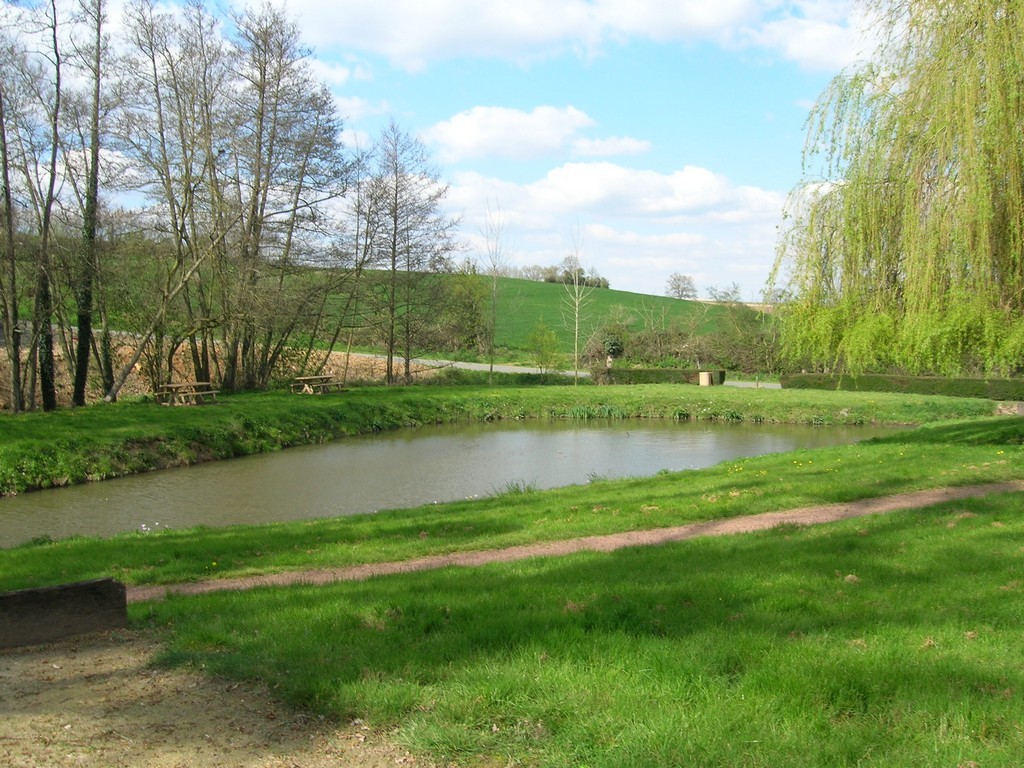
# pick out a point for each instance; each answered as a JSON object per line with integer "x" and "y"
{"x": 396, "y": 469}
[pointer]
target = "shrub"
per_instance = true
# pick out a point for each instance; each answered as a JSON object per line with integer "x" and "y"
{"x": 652, "y": 376}
{"x": 992, "y": 389}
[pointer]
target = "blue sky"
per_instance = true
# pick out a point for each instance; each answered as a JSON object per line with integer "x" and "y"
{"x": 651, "y": 136}
{"x": 662, "y": 136}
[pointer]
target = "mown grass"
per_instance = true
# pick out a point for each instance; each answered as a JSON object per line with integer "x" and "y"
{"x": 41, "y": 450}
{"x": 893, "y": 640}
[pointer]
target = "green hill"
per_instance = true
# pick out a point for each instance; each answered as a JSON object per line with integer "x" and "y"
{"x": 523, "y": 304}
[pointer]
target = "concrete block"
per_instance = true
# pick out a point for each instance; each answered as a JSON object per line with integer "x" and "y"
{"x": 30, "y": 616}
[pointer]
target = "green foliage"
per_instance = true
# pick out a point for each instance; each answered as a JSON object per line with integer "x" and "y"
{"x": 904, "y": 246}
{"x": 482, "y": 378}
{"x": 542, "y": 345}
{"x": 992, "y": 389}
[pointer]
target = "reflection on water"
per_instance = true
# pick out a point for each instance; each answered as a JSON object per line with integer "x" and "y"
{"x": 397, "y": 469}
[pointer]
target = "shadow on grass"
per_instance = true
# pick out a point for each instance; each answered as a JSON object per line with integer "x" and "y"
{"x": 1001, "y": 430}
{"x": 793, "y": 630}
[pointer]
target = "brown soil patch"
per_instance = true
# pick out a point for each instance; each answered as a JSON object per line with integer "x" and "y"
{"x": 98, "y": 702}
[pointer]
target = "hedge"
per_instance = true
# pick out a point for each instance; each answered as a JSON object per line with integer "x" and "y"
{"x": 652, "y": 376}
{"x": 992, "y": 389}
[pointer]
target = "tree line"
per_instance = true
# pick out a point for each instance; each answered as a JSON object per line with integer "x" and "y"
{"x": 182, "y": 186}
{"x": 904, "y": 245}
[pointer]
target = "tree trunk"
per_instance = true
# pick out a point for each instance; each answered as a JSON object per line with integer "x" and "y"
{"x": 9, "y": 288}
{"x": 87, "y": 275}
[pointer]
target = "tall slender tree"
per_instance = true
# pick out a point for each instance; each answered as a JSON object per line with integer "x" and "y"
{"x": 94, "y": 13}
{"x": 40, "y": 140}
{"x": 496, "y": 262}
{"x": 905, "y": 244}
{"x": 576, "y": 300}
{"x": 8, "y": 253}
{"x": 414, "y": 240}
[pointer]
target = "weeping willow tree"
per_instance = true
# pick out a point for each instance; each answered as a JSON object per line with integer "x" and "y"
{"x": 904, "y": 245}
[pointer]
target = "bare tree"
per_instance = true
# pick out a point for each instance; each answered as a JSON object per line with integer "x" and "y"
{"x": 84, "y": 279}
{"x": 289, "y": 164}
{"x": 9, "y": 296}
{"x": 175, "y": 72}
{"x": 496, "y": 262}
{"x": 680, "y": 286}
{"x": 576, "y": 299}
{"x": 415, "y": 240}
{"x": 240, "y": 146}
{"x": 34, "y": 130}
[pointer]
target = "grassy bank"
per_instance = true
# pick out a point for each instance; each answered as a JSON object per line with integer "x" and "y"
{"x": 40, "y": 450}
{"x": 881, "y": 641}
{"x": 960, "y": 453}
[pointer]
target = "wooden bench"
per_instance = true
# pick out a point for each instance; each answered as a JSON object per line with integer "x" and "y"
{"x": 186, "y": 393}
{"x": 315, "y": 385}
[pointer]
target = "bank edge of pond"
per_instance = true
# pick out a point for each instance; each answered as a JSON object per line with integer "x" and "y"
{"x": 44, "y": 450}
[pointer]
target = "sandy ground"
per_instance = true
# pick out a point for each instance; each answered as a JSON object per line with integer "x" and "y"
{"x": 97, "y": 701}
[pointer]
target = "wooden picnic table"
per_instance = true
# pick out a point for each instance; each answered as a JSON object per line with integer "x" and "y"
{"x": 186, "y": 393}
{"x": 315, "y": 385}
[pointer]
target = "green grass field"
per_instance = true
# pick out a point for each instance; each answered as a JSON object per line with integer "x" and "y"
{"x": 891, "y": 641}
{"x": 522, "y": 304}
{"x": 881, "y": 641}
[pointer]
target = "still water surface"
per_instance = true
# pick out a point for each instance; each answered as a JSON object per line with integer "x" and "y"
{"x": 396, "y": 469}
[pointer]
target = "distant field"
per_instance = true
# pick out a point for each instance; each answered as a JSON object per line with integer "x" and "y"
{"x": 522, "y": 304}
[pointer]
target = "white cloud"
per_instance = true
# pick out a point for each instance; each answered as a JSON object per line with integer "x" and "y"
{"x": 356, "y": 140}
{"x": 356, "y": 109}
{"x": 331, "y": 73}
{"x": 825, "y": 35}
{"x": 671, "y": 19}
{"x": 495, "y": 132}
{"x": 412, "y": 33}
{"x": 620, "y": 191}
{"x": 503, "y": 132}
{"x": 812, "y": 43}
{"x": 638, "y": 226}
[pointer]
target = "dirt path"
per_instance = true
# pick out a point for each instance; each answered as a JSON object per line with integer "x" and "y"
{"x": 746, "y": 524}
{"x": 97, "y": 702}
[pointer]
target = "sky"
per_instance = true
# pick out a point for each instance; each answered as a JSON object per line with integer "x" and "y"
{"x": 646, "y": 137}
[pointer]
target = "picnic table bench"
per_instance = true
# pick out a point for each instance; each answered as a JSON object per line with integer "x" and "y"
{"x": 186, "y": 393}
{"x": 315, "y": 385}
